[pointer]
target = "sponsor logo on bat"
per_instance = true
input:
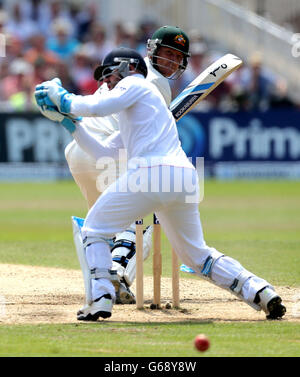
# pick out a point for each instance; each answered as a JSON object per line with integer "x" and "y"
{"x": 186, "y": 105}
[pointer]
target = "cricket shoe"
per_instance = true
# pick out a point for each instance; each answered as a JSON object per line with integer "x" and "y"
{"x": 124, "y": 295}
{"x": 271, "y": 303}
{"x": 102, "y": 307}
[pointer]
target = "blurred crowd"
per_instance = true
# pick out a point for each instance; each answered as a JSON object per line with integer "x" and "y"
{"x": 46, "y": 39}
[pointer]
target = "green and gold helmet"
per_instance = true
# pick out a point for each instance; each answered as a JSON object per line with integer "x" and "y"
{"x": 172, "y": 37}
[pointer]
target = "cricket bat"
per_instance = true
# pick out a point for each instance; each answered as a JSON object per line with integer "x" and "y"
{"x": 203, "y": 84}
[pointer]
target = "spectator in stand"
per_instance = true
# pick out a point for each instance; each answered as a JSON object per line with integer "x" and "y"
{"x": 257, "y": 83}
{"x": 4, "y": 72}
{"x": 13, "y": 51}
{"x": 41, "y": 71}
{"x": 19, "y": 26}
{"x": 197, "y": 62}
{"x": 62, "y": 44}
{"x": 82, "y": 71}
{"x": 38, "y": 12}
{"x": 12, "y": 82}
{"x": 146, "y": 29}
{"x": 3, "y": 18}
{"x": 24, "y": 99}
{"x": 62, "y": 70}
{"x": 99, "y": 46}
{"x": 38, "y": 51}
{"x": 128, "y": 37}
{"x": 17, "y": 87}
{"x": 14, "y": 48}
{"x": 59, "y": 10}
{"x": 279, "y": 98}
{"x": 118, "y": 33}
{"x": 83, "y": 17}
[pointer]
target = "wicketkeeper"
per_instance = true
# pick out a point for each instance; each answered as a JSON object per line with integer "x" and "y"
{"x": 149, "y": 134}
{"x": 168, "y": 52}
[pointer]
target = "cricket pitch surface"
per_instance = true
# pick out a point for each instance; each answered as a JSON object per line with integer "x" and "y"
{"x": 35, "y": 295}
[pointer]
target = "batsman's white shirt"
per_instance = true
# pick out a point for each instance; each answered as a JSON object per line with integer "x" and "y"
{"x": 148, "y": 130}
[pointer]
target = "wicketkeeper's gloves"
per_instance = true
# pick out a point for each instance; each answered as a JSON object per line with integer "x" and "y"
{"x": 57, "y": 107}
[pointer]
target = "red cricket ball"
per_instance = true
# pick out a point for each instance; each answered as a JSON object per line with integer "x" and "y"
{"x": 202, "y": 342}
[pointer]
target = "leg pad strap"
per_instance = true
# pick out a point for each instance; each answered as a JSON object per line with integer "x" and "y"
{"x": 89, "y": 240}
{"x": 102, "y": 273}
{"x": 209, "y": 263}
{"x": 239, "y": 281}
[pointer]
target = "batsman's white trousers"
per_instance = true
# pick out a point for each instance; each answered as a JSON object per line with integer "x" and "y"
{"x": 119, "y": 207}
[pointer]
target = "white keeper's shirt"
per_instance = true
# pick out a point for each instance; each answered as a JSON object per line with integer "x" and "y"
{"x": 147, "y": 129}
{"x": 103, "y": 127}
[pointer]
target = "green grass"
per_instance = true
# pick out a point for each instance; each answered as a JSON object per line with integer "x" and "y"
{"x": 152, "y": 340}
{"x": 103, "y": 339}
{"x": 35, "y": 223}
{"x": 254, "y": 222}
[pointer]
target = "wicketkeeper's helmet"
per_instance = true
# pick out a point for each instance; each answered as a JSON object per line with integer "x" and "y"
{"x": 172, "y": 37}
{"x": 118, "y": 61}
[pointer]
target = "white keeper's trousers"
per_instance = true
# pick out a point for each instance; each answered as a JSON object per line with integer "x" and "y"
{"x": 118, "y": 207}
{"x": 84, "y": 171}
